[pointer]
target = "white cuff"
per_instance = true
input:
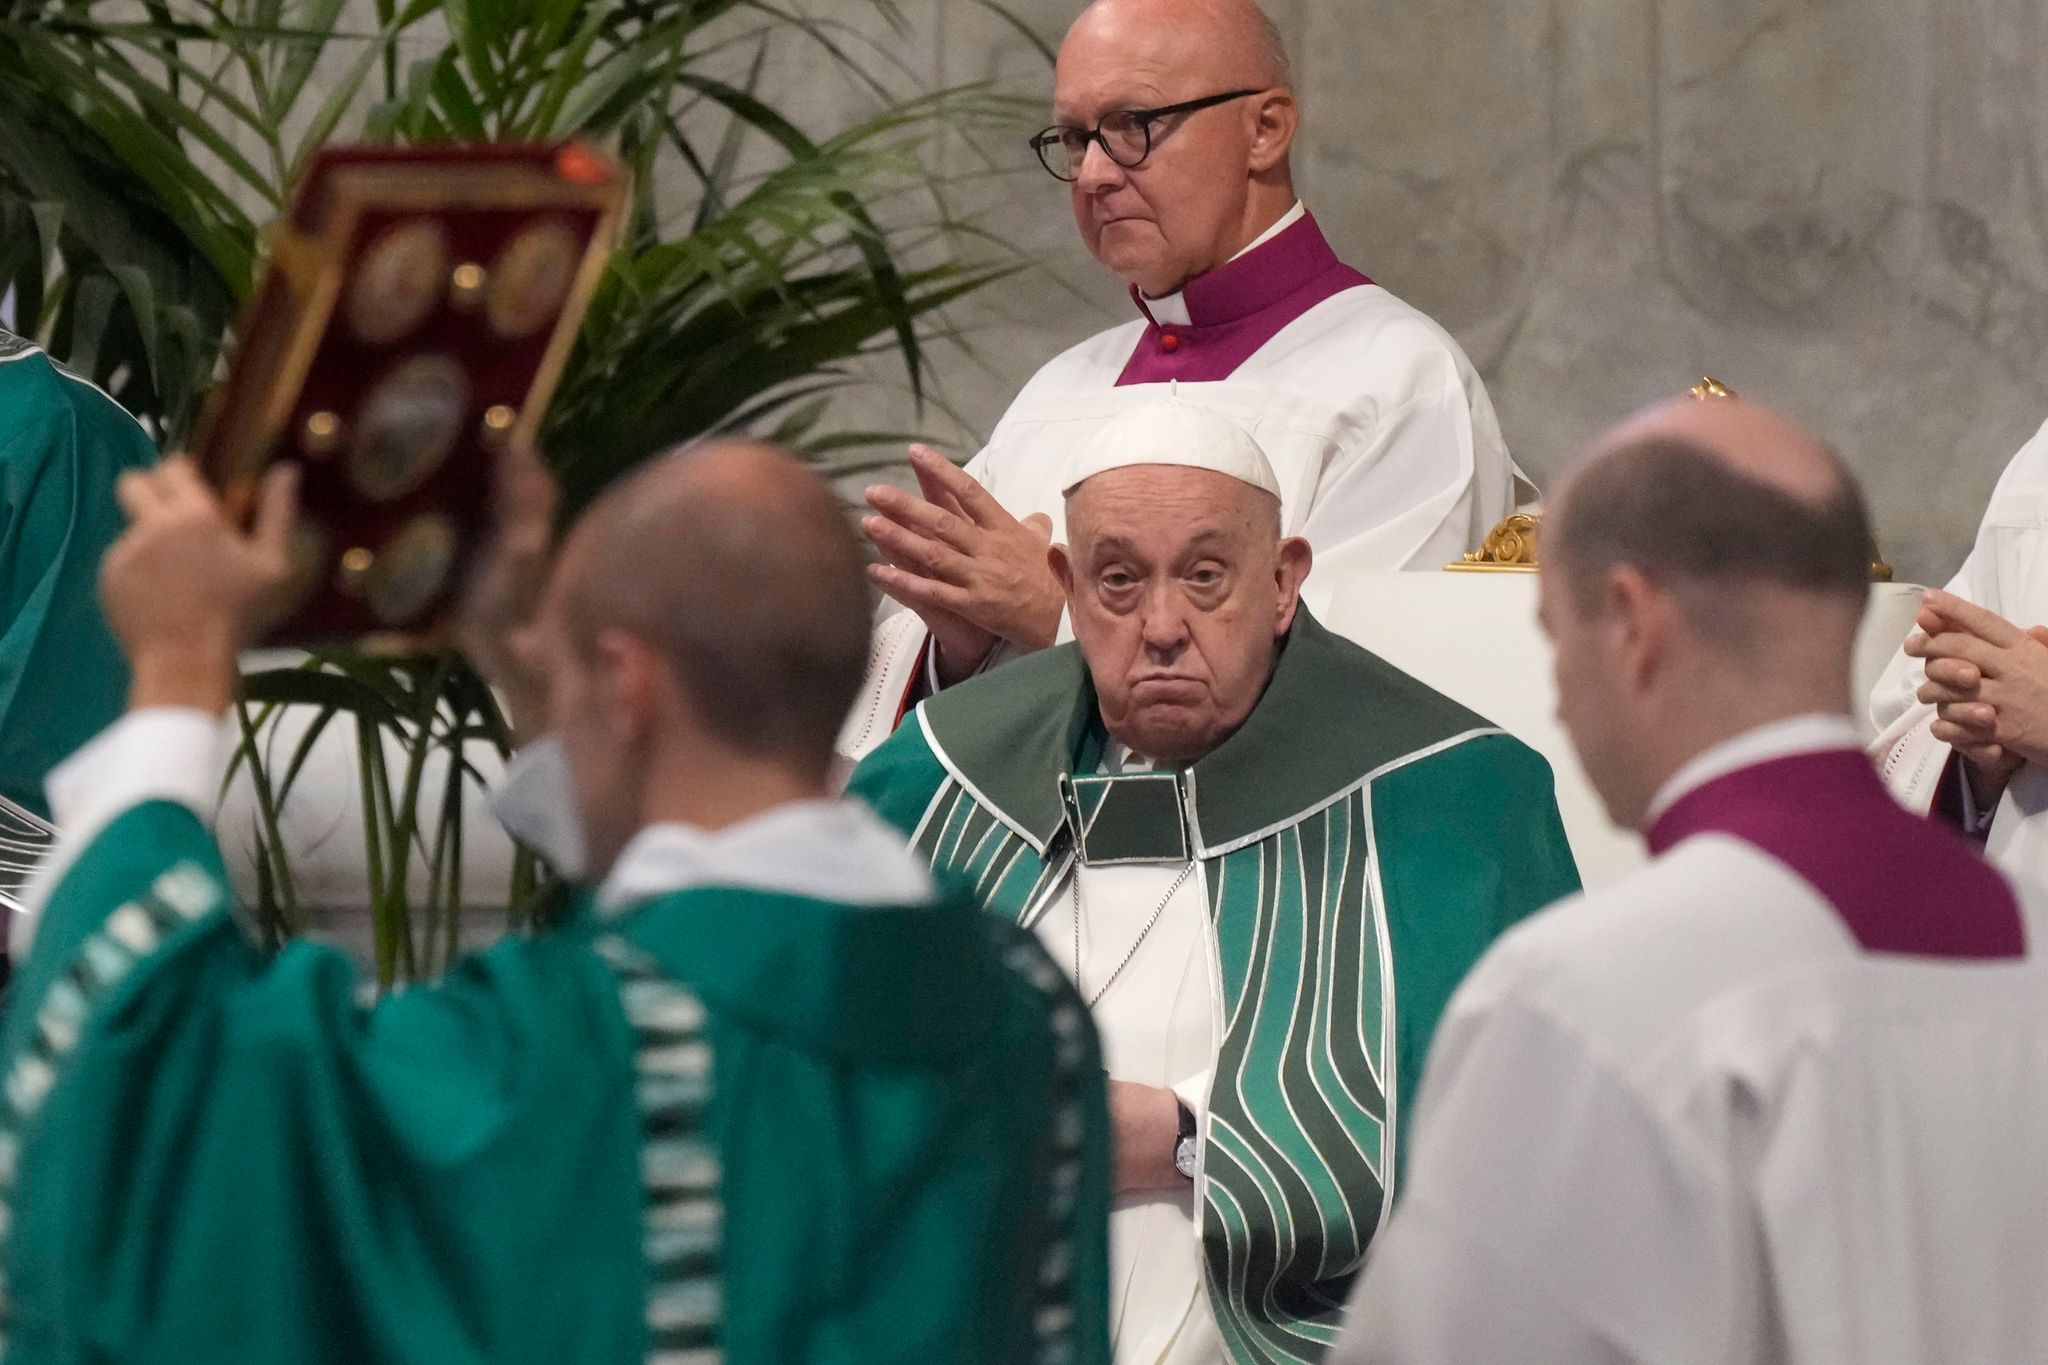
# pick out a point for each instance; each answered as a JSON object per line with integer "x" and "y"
{"x": 162, "y": 753}
{"x": 537, "y": 806}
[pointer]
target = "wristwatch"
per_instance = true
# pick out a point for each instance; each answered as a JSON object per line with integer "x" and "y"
{"x": 1188, "y": 1146}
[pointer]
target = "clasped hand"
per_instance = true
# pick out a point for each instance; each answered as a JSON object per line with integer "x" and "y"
{"x": 976, "y": 575}
{"x": 1988, "y": 682}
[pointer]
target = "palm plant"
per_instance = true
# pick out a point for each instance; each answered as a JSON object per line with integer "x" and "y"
{"x": 144, "y": 149}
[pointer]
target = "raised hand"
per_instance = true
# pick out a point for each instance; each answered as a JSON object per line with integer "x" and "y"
{"x": 494, "y": 630}
{"x": 185, "y": 589}
{"x": 974, "y": 573}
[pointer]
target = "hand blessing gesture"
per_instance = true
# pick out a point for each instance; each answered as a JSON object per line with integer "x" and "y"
{"x": 974, "y": 573}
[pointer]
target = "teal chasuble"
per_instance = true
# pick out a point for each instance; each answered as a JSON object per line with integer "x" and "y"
{"x": 724, "y": 1125}
{"x": 1363, "y": 839}
{"x": 62, "y": 445}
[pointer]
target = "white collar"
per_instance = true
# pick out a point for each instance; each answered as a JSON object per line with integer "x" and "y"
{"x": 1171, "y": 310}
{"x": 836, "y": 850}
{"x": 1814, "y": 732}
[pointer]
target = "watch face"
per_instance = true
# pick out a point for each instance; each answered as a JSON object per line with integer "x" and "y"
{"x": 408, "y": 425}
{"x": 397, "y": 282}
{"x": 411, "y": 569}
{"x": 531, "y": 279}
{"x": 1186, "y": 1153}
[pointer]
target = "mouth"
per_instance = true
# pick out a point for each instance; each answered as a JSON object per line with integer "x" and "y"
{"x": 1166, "y": 689}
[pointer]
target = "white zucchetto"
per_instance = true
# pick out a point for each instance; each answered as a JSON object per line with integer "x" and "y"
{"x": 1172, "y": 432}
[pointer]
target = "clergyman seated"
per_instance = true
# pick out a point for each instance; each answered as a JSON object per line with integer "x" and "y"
{"x": 1265, "y": 856}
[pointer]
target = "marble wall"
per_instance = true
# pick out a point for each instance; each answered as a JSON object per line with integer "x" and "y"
{"x": 1835, "y": 206}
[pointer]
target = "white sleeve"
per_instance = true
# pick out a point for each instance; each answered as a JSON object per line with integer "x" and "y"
{"x": 1548, "y": 1216}
{"x": 1908, "y": 756}
{"x": 1428, "y": 481}
{"x": 162, "y": 753}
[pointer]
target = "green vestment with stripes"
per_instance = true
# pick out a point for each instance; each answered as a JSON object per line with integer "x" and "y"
{"x": 62, "y": 445}
{"x": 721, "y": 1125}
{"x": 1363, "y": 839}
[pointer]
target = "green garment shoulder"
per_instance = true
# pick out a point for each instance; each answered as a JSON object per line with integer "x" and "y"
{"x": 1362, "y": 839}
{"x": 725, "y": 1125}
{"x": 62, "y": 445}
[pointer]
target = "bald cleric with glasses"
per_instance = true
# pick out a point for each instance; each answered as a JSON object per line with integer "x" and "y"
{"x": 1173, "y": 122}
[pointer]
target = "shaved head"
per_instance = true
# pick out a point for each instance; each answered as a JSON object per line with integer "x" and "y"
{"x": 1199, "y": 185}
{"x": 1705, "y": 570}
{"x": 1233, "y": 40}
{"x": 738, "y": 566}
{"x": 1715, "y": 496}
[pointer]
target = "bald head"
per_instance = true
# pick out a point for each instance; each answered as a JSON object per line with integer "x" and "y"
{"x": 1719, "y": 495}
{"x": 1704, "y": 573}
{"x": 738, "y": 567}
{"x": 1232, "y": 40}
{"x": 1182, "y": 193}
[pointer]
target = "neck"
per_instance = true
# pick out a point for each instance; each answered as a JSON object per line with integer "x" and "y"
{"x": 1264, "y": 206}
{"x": 713, "y": 794}
{"x": 1688, "y": 734}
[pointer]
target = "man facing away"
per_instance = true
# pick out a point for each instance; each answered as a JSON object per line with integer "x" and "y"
{"x": 1174, "y": 122}
{"x": 1264, "y": 855}
{"x": 1777, "y": 1096}
{"x": 769, "y": 1098}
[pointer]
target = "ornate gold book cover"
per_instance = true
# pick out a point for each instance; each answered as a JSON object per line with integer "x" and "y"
{"x": 417, "y": 310}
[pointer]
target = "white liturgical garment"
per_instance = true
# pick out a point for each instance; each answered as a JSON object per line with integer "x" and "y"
{"x": 1384, "y": 442}
{"x": 1157, "y": 1022}
{"x": 1778, "y": 1097}
{"x": 2007, "y": 572}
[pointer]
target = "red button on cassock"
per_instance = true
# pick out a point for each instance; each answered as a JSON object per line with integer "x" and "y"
{"x": 1169, "y": 342}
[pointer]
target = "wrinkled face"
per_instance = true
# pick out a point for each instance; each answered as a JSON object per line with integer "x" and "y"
{"x": 1180, "y": 212}
{"x": 603, "y": 746}
{"x": 1179, "y": 587}
{"x": 1588, "y": 667}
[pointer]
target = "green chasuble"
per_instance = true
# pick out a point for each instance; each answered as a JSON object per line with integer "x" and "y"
{"x": 722, "y": 1125}
{"x": 1363, "y": 839}
{"x": 62, "y": 444}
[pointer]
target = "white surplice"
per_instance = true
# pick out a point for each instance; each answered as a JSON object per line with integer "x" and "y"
{"x": 2007, "y": 572}
{"x": 1687, "y": 1119}
{"x": 1158, "y": 1026}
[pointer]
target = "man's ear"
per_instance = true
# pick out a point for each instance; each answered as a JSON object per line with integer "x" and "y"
{"x": 1062, "y": 566}
{"x": 1294, "y": 562}
{"x": 1275, "y": 120}
{"x": 1643, "y": 617}
{"x": 631, "y": 679}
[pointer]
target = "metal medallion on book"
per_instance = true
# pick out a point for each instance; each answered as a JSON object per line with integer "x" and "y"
{"x": 531, "y": 279}
{"x": 408, "y": 426}
{"x": 398, "y": 282}
{"x": 411, "y": 570}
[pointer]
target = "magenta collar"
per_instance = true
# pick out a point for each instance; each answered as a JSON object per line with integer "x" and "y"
{"x": 1238, "y": 307}
{"x": 1900, "y": 883}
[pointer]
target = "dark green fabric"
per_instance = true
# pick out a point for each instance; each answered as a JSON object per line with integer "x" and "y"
{"x": 1338, "y": 933}
{"x": 1429, "y": 817}
{"x": 1004, "y": 729}
{"x": 62, "y": 445}
{"x": 237, "y": 1162}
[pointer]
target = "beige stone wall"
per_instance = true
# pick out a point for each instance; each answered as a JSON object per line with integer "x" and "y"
{"x": 1836, "y": 206}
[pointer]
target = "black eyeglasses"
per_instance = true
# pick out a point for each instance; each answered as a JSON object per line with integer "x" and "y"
{"x": 1125, "y": 134}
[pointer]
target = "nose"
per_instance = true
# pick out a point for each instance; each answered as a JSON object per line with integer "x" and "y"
{"x": 1163, "y": 624}
{"x": 1099, "y": 171}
